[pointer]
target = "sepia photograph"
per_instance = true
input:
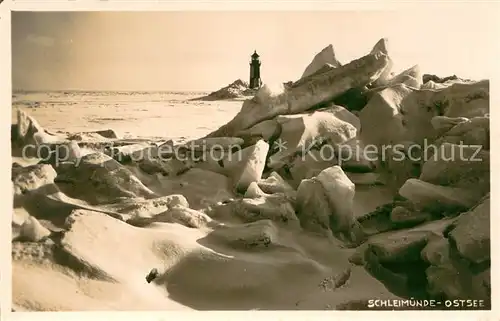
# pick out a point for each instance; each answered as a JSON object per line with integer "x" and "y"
{"x": 251, "y": 160}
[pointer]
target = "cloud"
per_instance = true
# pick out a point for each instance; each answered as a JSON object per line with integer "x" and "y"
{"x": 40, "y": 40}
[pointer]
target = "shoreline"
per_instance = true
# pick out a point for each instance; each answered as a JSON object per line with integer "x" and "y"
{"x": 281, "y": 225}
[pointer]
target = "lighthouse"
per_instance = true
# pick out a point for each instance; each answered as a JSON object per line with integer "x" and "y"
{"x": 255, "y": 81}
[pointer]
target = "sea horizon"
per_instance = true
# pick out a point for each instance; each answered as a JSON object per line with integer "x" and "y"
{"x": 167, "y": 91}
{"x": 331, "y": 166}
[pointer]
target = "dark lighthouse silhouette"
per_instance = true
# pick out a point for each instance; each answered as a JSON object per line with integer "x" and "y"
{"x": 255, "y": 81}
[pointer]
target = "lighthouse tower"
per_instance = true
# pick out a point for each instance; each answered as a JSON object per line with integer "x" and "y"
{"x": 255, "y": 81}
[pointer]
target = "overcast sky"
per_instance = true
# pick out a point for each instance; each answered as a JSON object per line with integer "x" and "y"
{"x": 206, "y": 50}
